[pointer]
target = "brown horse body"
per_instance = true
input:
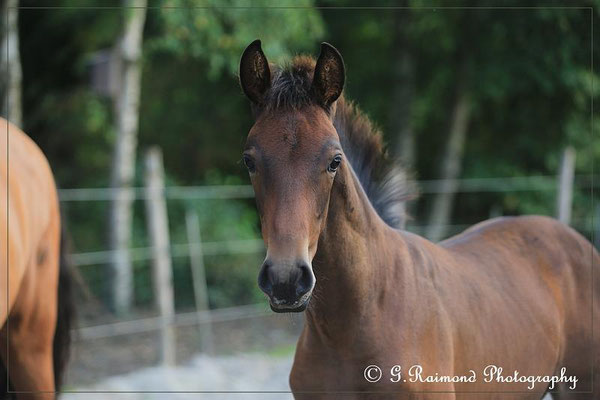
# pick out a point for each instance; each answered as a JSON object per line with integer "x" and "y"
{"x": 511, "y": 292}
{"x": 516, "y": 293}
{"x": 30, "y": 220}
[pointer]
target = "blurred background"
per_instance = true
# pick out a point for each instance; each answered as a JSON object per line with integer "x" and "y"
{"x": 137, "y": 106}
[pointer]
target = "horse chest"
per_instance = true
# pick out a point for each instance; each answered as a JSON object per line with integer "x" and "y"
{"x": 364, "y": 367}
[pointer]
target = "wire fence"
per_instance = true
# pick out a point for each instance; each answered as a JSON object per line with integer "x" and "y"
{"x": 224, "y": 192}
{"x": 465, "y": 185}
{"x": 176, "y": 250}
{"x": 140, "y": 325}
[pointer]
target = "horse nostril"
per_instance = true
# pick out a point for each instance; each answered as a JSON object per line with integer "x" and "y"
{"x": 265, "y": 282}
{"x": 306, "y": 280}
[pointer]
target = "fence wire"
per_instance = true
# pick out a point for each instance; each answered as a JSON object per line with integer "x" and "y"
{"x": 465, "y": 185}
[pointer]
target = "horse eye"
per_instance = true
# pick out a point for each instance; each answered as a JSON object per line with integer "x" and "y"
{"x": 249, "y": 163}
{"x": 334, "y": 164}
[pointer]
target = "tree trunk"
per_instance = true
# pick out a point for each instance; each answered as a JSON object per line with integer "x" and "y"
{"x": 403, "y": 90}
{"x": 11, "y": 68}
{"x": 451, "y": 163}
{"x": 129, "y": 50}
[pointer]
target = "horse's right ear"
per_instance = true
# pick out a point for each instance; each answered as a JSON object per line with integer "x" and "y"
{"x": 329, "y": 76}
{"x": 255, "y": 76}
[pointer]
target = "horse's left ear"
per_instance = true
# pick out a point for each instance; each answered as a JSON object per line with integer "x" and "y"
{"x": 328, "y": 81}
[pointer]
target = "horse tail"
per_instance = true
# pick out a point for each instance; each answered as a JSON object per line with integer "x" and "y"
{"x": 65, "y": 314}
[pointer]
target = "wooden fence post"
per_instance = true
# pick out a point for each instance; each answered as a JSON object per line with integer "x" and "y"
{"x": 158, "y": 226}
{"x": 565, "y": 185}
{"x": 199, "y": 278}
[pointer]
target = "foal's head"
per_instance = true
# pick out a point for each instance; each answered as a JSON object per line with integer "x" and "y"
{"x": 292, "y": 153}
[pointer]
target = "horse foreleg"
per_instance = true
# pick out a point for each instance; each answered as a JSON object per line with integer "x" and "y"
{"x": 26, "y": 345}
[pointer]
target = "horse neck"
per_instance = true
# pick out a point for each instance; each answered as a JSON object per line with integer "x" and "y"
{"x": 351, "y": 266}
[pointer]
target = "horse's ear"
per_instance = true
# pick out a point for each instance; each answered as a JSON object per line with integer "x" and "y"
{"x": 330, "y": 75}
{"x": 255, "y": 76}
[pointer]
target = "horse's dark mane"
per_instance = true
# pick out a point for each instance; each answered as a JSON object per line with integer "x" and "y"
{"x": 383, "y": 180}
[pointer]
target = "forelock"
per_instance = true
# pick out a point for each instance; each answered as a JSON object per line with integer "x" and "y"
{"x": 291, "y": 85}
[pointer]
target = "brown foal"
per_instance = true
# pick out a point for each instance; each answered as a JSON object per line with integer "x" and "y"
{"x": 432, "y": 320}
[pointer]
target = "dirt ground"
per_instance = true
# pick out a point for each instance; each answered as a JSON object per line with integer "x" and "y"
{"x": 244, "y": 372}
{"x": 236, "y": 373}
{"x": 92, "y": 361}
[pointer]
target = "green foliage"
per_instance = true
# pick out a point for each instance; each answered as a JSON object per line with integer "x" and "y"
{"x": 527, "y": 71}
{"x": 231, "y": 278}
{"x": 217, "y": 31}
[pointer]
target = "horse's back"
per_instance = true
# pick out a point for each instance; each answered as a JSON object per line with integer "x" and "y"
{"x": 29, "y": 212}
{"x": 563, "y": 268}
{"x": 562, "y": 258}
{"x": 528, "y": 235}
{"x": 559, "y": 246}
